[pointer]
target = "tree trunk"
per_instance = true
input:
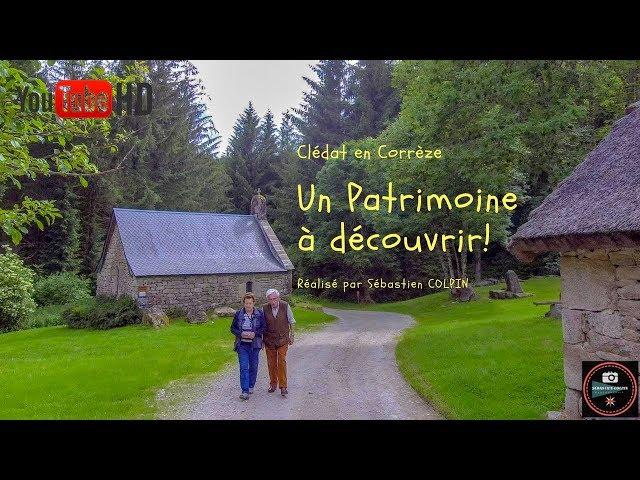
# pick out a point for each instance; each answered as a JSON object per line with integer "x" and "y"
{"x": 463, "y": 263}
{"x": 443, "y": 264}
{"x": 366, "y": 293}
{"x": 450, "y": 265}
{"x": 478, "y": 265}
{"x": 457, "y": 270}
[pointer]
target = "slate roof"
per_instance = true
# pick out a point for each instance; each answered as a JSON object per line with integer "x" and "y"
{"x": 189, "y": 243}
{"x": 597, "y": 206}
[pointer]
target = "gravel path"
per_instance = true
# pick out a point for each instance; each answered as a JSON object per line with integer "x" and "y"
{"x": 346, "y": 370}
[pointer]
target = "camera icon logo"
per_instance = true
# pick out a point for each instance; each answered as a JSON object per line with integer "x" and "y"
{"x": 610, "y": 377}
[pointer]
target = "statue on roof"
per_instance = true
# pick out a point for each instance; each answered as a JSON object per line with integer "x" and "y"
{"x": 259, "y": 206}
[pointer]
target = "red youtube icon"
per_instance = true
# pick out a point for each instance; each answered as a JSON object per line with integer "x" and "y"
{"x": 83, "y": 98}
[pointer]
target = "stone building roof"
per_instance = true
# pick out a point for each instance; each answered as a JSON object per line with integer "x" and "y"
{"x": 597, "y": 206}
{"x": 189, "y": 243}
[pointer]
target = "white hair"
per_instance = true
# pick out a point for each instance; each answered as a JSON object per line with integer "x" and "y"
{"x": 271, "y": 291}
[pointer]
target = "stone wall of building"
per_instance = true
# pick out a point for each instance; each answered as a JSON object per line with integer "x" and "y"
{"x": 196, "y": 293}
{"x": 114, "y": 278}
{"x": 600, "y": 313}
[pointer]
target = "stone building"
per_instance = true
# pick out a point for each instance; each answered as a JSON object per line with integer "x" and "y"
{"x": 593, "y": 220}
{"x": 195, "y": 261}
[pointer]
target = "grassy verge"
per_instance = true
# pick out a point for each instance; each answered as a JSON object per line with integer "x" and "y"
{"x": 487, "y": 359}
{"x": 59, "y": 373}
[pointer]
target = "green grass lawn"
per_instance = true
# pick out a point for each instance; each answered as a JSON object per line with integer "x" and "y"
{"x": 59, "y": 373}
{"x": 486, "y": 359}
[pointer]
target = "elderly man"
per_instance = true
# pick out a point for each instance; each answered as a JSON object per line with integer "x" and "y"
{"x": 277, "y": 338}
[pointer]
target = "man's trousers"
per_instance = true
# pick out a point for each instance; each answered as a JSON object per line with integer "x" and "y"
{"x": 277, "y": 362}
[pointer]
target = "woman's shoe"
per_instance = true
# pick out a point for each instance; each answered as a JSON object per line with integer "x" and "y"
{"x": 271, "y": 389}
{"x": 250, "y": 390}
{"x": 244, "y": 396}
{"x": 284, "y": 392}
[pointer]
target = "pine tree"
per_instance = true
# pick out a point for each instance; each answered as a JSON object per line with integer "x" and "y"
{"x": 288, "y": 137}
{"x": 375, "y": 103}
{"x": 268, "y": 162}
{"x": 322, "y": 116}
{"x": 285, "y": 214}
{"x": 242, "y": 158}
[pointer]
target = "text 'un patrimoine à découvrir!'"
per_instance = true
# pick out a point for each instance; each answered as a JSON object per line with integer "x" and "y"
{"x": 390, "y": 202}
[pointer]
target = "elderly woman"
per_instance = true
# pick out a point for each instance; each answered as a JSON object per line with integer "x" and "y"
{"x": 248, "y": 326}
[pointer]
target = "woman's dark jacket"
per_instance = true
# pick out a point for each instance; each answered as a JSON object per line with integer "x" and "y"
{"x": 259, "y": 326}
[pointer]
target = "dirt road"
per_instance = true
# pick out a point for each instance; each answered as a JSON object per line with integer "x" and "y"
{"x": 346, "y": 370}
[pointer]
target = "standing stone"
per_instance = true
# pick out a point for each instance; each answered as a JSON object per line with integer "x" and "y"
{"x": 513, "y": 283}
{"x": 464, "y": 294}
{"x": 555, "y": 311}
{"x": 197, "y": 316}
{"x": 224, "y": 311}
{"x": 155, "y": 317}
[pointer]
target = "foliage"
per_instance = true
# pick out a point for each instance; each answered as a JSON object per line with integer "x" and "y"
{"x": 16, "y": 290}
{"x": 374, "y": 101}
{"x": 36, "y": 144}
{"x": 165, "y": 160}
{"x": 61, "y": 288}
{"x": 48, "y": 316}
{"x": 175, "y": 312}
{"x": 252, "y": 157}
{"x": 102, "y": 313}
{"x": 322, "y": 116}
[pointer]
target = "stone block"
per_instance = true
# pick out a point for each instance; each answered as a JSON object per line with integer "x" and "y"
{"x": 605, "y": 343}
{"x": 607, "y": 323}
{"x": 632, "y": 335}
{"x": 630, "y": 291}
{"x": 628, "y": 273}
{"x": 629, "y": 307}
{"x": 573, "y": 404}
{"x": 611, "y": 356}
{"x": 593, "y": 254}
{"x": 572, "y": 321}
{"x": 622, "y": 257}
{"x": 630, "y": 322}
{"x": 587, "y": 284}
{"x": 553, "y": 415}
{"x": 629, "y": 349}
{"x": 574, "y": 355}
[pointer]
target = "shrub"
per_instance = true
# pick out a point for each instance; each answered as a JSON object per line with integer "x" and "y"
{"x": 48, "y": 316}
{"x": 61, "y": 288}
{"x": 102, "y": 313}
{"x": 16, "y": 290}
{"x": 175, "y": 312}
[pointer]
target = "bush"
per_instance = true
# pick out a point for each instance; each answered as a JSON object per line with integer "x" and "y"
{"x": 102, "y": 313}
{"x": 175, "y": 312}
{"x": 48, "y": 316}
{"x": 16, "y": 290}
{"x": 61, "y": 288}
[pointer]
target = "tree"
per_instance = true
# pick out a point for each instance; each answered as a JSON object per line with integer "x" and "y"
{"x": 20, "y": 135}
{"x": 375, "y": 103}
{"x": 322, "y": 116}
{"x": 242, "y": 158}
{"x": 268, "y": 156}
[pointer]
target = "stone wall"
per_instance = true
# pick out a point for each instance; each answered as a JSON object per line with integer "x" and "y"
{"x": 114, "y": 278}
{"x": 196, "y": 293}
{"x": 600, "y": 313}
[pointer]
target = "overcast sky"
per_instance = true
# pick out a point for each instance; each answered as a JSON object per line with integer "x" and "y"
{"x": 270, "y": 84}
